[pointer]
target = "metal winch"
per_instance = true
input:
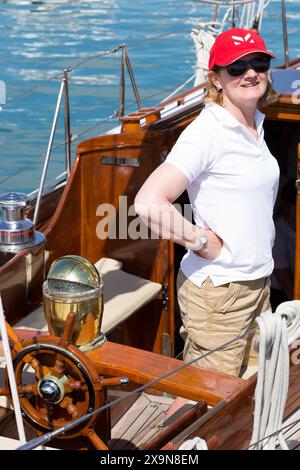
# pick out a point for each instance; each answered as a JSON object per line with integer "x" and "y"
{"x": 16, "y": 231}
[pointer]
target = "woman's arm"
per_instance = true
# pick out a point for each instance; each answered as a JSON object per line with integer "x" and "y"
{"x": 153, "y": 204}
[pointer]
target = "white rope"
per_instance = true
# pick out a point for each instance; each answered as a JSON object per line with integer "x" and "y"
{"x": 11, "y": 376}
{"x": 277, "y": 331}
{"x": 196, "y": 443}
{"x": 262, "y": 5}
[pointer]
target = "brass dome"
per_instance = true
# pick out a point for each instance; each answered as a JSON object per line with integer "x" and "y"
{"x": 73, "y": 273}
{"x": 73, "y": 284}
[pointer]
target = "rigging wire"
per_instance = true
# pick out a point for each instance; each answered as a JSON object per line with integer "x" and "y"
{"x": 82, "y": 132}
{"x": 224, "y": 3}
{"x": 120, "y": 46}
{"x": 30, "y": 90}
{"x": 131, "y": 44}
{"x": 92, "y": 57}
{"x": 60, "y": 76}
{"x": 61, "y": 144}
{"x": 51, "y": 435}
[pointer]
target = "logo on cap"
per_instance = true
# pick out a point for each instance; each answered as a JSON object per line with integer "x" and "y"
{"x": 237, "y": 40}
{"x": 233, "y": 44}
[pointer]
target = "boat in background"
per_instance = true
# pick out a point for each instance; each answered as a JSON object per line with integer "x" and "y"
{"x": 90, "y": 220}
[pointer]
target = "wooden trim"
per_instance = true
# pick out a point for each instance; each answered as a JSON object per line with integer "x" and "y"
{"x": 177, "y": 426}
{"x": 142, "y": 367}
{"x": 63, "y": 233}
{"x": 181, "y": 97}
{"x": 283, "y": 110}
{"x": 295, "y": 63}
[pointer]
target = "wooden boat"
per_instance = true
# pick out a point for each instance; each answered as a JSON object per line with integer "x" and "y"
{"x": 140, "y": 301}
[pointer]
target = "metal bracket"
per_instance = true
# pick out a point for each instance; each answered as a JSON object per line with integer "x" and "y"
{"x": 166, "y": 344}
{"x": 165, "y": 296}
{"x": 28, "y": 270}
{"x": 120, "y": 161}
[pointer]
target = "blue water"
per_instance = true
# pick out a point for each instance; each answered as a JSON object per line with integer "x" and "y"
{"x": 41, "y": 38}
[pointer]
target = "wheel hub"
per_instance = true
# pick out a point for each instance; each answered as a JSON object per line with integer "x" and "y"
{"x": 51, "y": 389}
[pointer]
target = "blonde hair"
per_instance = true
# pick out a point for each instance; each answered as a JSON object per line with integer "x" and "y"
{"x": 213, "y": 95}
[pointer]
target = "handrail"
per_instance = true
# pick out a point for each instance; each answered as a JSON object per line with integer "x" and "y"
{"x": 67, "y": 123}
{"x": 48, "y": 152}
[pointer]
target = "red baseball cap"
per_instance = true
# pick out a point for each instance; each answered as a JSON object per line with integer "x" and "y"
{"x": 233, "y": 44}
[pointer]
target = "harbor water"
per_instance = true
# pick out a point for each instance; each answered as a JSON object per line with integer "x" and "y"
{"x": 41, "y": 38}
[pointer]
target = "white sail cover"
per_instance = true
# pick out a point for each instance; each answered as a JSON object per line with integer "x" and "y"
{"x": 203, "y": 41}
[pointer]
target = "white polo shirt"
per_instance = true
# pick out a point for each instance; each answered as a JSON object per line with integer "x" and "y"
{"x": 233, "y": 186}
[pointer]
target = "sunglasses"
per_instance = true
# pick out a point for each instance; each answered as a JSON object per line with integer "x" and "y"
{"x": 260, "y": 65}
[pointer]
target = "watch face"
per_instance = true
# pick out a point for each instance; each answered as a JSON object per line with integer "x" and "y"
{"x": 203, "y": 239}
{"x": 201, "y": 242}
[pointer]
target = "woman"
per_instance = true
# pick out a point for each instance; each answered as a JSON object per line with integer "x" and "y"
{"x": 223, "y": 162}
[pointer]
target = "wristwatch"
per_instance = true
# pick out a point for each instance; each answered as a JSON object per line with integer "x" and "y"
{"x": 202, "y": 242}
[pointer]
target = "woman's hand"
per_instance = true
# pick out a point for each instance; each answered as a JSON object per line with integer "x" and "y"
{"x": 213, "y": 247}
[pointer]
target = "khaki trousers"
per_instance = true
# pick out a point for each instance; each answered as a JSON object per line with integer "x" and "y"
{"x": 212, "y": 316}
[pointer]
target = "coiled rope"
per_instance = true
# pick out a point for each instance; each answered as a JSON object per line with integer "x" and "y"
{"x": 194, "y": 444}
{"x": 277, "y": 331}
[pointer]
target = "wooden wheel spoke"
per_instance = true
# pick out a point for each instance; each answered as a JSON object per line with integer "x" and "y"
{"x": 67, "y": 403}
{"x": 95, "y": 439}
{"x": 66, "y": 337}
{"x": 59, "y": 367}
{"x": 27, "y": 389}
{"x": 64, "y": 386}
{"x": 79, "y": 385}
{"x": 4, "y": 391}
{"x": 74, "y": 385}
{"x": 40, "y": 371}
{"x": 14, "y": 338}
{"x": 43, "y": 418}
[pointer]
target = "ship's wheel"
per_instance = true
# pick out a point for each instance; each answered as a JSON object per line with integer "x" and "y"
{"x": 64, "y": 384}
